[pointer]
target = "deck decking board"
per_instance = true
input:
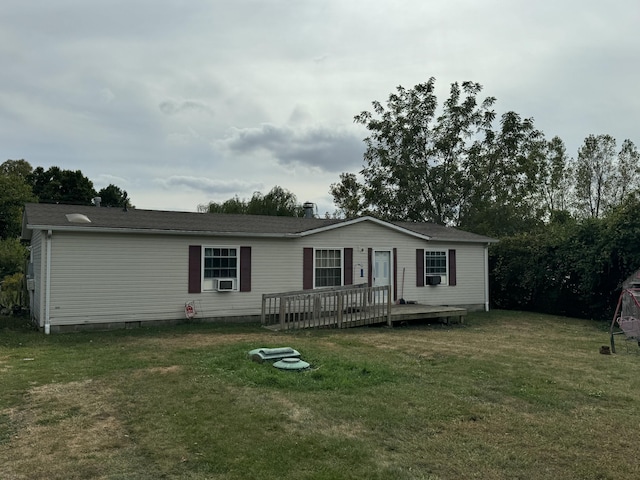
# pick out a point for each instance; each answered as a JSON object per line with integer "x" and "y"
{"x": 399, "y": 313}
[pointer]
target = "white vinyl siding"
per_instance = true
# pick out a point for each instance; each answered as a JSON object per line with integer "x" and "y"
{"x": 37, "y": 296}
{"x": 470, "y": 267}
{"x": 118, "y": 277}
{"x": 111, "y": 278}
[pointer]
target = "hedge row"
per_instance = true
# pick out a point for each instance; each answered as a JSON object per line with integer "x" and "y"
{"x": 568, "y": 267}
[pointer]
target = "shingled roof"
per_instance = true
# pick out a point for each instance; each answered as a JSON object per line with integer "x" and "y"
{"x": 444, "y": 234}
{"x": 43, "y": 216}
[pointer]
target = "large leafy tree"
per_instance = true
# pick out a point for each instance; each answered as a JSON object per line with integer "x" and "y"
{"x": 20, "y": 183}
{"x": 113, "y": 196}
{"x": 13, "y": 256}
{"x": 414, "y": 152}
{"x": 604, "y": 178}
{"x": 555, "y": 177}
{"x": 348, "y": 195}
{"x": 628, "y": 176}
{"x": 16, "y": 168}
{"x": 14, "y": 193}
{"x": 448, "y": 164}
{"x": 595, "y": 175}
{"x": 501, "y": 175}
{"x": 55, "y": 185}
{"x": 232, "y": 205}
{"x": 278, "y": 202}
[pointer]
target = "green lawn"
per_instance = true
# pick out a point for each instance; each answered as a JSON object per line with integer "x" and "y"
{"x": 509, "y": 395}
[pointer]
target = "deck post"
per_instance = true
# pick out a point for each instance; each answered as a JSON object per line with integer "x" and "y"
{"x": 338, "y": 307}
{"x": 389, "y": 322}
{"x": 281, "y": 312}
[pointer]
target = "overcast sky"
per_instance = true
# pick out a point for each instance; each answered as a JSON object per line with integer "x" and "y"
{"x": 185, "y": 102}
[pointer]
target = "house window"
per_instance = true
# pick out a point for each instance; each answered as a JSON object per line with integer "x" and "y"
{"x": 220, "y": 263}
{"x": 328, "y": 268}
{"x": 435, "y": 264}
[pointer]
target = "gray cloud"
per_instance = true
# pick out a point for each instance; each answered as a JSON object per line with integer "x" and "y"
{"x": 209, "y": 186}
{"x": 169, "y": 107}
{"x": 318, "y": 147}
{"x": 103, "y": 180}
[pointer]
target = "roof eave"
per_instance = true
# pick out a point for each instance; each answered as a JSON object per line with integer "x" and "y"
{"x": 150, "y": 231}
{"x": 487, "y": 241}
{"x": 364, "y": 219}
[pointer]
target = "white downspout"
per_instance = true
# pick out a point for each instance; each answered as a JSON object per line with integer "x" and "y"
{"x": 47, "y": 288}
{"x": 30, "y": 270}
{"x": 486, "y": 277}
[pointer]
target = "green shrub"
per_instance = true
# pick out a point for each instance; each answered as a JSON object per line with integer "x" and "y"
{"x": 573, "y": 268}
{"x": 13, "y": 295}
{"x": 13, "y": 256}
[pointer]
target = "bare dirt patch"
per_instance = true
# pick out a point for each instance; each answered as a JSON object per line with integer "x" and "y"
{"x": 164, "y": 370}
{"x": 198, "y": 340}
{"x": 301, "y": 420}
{"x": 440, "y": 342}
{"x": 64, "y": 431}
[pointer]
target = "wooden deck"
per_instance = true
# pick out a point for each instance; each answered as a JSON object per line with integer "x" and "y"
{"x": 345, "y": 307}
{"x": 399, "y": 313}
{"x": 415, "y": 311}
{"x": 336, "y": 307}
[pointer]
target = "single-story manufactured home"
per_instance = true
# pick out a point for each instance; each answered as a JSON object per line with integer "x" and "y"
{"x": 103, "y": 267}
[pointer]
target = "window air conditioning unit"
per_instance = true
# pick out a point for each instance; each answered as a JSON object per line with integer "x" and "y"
{"x": 225, "y": 284}
{"x": 434, "y": 279}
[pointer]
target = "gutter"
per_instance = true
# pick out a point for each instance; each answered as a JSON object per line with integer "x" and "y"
{"x": 156, "y": 231}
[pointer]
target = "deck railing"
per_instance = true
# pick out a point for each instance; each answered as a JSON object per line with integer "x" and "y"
{"x": 336, "y": 307}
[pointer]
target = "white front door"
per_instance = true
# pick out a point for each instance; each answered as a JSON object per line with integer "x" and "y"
{"x": 382, "y": 269}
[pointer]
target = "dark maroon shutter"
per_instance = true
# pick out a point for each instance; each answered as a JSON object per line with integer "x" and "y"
{"x": 307, "y": 269}
{"x": 395, "y": 274}
{"x": 370, "y": 267}
{"x": 452, "y": 268}
{"x": 348, "y": 266}
{"x": 420, "y": 267}
{"x": 195, "y": 262}
{"x": 245, "y": 269}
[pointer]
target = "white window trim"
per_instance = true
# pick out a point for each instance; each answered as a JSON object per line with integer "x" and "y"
{"x": 237, "y": 277}
{"x": 444, "y": 279}
{"x": 341, "y": 250}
